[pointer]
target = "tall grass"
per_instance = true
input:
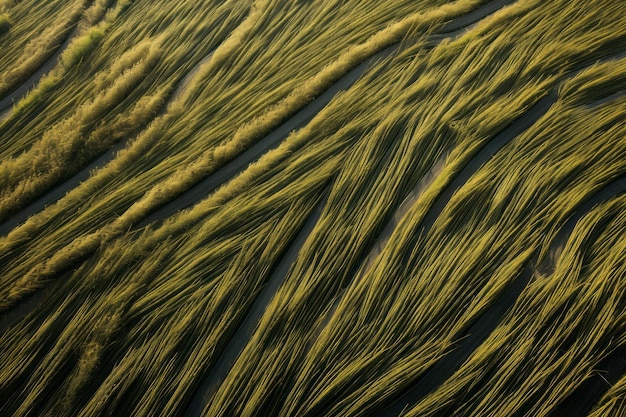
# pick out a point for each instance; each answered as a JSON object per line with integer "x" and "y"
{"x": 134, "y": 322}
{"x": 613, "y": 403}
{"x": 24, "y": 52}
{"x": 68, "y": 142}
{"x": 182, "y": 178}
{"x": 345, "y": 384}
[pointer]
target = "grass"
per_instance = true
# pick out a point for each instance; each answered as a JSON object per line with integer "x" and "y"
{"x": 134, "y": 321}
{"x": 36, "y": 33}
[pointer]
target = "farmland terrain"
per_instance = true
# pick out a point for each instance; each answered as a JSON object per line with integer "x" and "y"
{"x": 329, "y": 208}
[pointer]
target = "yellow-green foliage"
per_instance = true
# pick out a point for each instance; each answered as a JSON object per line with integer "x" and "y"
{"x": 82, "y": 46}
{"x": 133, "y": 322}
{"x": 31, "y": 45}
{"x": 96, "y": 11}
{"x": 67, "y": 142}
{"x": 613, "y": 403}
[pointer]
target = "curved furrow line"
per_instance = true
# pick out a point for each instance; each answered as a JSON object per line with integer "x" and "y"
{"x": 489, "y": 320}
{"x": 607, "y": 99}
{"x": 184, "y": 83}
{"x": 60, "y": 190}
{"x": 607, "y": 373}
{"x": 473, "y": 17}
{"x": 7, "y": 102}
{"x": 245, "y": 330}
{"x": 481, "y": 328}
{"x": 505, "y": 136}
{"x": 613, "y": 367}
{"x": 517, "y": 127}
{"x": 269, "y": 142}
{"x": 185, "y": 200}
{"x": 21, "y": 310}
{"x": 231, "y": 169}
{"x": 12, "y": 316}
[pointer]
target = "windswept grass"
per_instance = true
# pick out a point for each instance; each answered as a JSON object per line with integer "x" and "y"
{"x": 135, "y": 321}
{"x": 190, "y": 171}
{"x": 51, "y": 158}
{"x": 566, "y": 322}
{"x": 613, "y": 403}
{"x": 82, "y": 46}
{"x": 24, "y": 52}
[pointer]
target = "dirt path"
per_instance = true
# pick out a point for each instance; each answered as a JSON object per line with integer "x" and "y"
{"x": 478, "y": 332}
{"x": 60, "y": 190}
{"x": 13, "y": 97}
{"x": 451, "y": 30}
{"x": 271, "y": 141}
{"x": 236, "y": 166}
{"x": 245, "y": 330}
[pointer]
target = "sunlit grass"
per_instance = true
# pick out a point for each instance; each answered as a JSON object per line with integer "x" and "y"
{"x": 134, "y": 321}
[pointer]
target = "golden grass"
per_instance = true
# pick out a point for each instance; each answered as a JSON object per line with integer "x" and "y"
{"x": 134, "y": 321}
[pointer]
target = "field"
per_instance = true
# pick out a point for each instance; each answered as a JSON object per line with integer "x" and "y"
{"x": 313, "y": 208}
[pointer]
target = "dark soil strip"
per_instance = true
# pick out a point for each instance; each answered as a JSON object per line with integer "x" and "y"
{"x": 243, "y": 334}
{"x": 488, "y": 321}
{"x": 450, "y": 30}
{"x": 269, "y": 142}
{"x": 614, "y": 188}
{"x": 607, "y": 98}
{"x": 613, "y": 367}
{"x": 504, "y": 137}
{"x": 473, "y": 17}
{"x": 21, "y": 310}
{"x": 196, "y": 193}
{"x": 580, "y": 403}
{"x": 17, "y": 94}
{"x": 480, "y": 329}
{"x": 59, "y": 191}
{"x": 304, "y": 116}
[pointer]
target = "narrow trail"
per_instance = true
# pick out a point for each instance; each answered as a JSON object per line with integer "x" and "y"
{"x": 484, "y": 154}
{"x": 451, "y": 30}
{"x": 505, "y": 136}
{"x": 488, "y": 321}
{"x": 245, "y": 330}
{"x": 6, "y": 104}
{"x": 269, "y": 142}
{"x": 607, "y": 99}
{"x": 60, "y": 190}
{"x": 14, "y": 315}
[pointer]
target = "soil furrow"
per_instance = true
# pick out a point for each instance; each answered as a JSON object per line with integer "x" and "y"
{"x": 60, "y": 190}
{"x": 15, "y": 95}
{"x": 305, "y": 115}
{"x": 245, "y": 330}
{"x": 489, "y": 320}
